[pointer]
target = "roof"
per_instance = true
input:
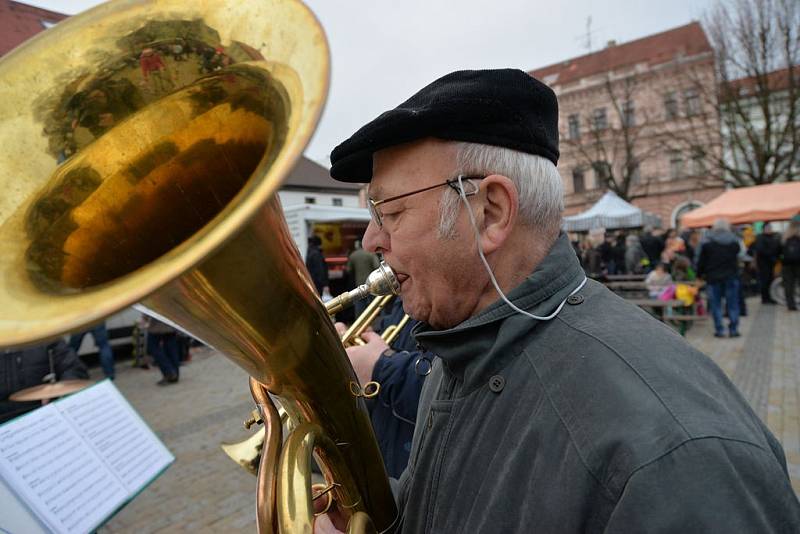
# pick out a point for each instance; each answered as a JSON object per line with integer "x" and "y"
{"x": 19, "y": 22}
{"x": 689, "y": 40}
{"x": 308, "y": 174}
{"x": 776, "y": 80}
{"x": 772, "y": 202}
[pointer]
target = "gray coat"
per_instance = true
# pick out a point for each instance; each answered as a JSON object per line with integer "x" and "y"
{"x": 600, "y": 420}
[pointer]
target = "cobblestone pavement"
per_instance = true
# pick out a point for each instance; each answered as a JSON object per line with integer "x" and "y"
{"x": 765, "y": 365}
{"x": 204, "y": 491}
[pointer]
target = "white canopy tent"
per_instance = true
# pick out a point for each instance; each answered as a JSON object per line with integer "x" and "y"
{"x": 610, "y": 212}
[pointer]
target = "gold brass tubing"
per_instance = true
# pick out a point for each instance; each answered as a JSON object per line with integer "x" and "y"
{"x": 360, "y": 523}
{"x": 266, "y": 505}
{"x": 391, "y": 333}
{"x": 353, "y": 334}
{"x": 120, "y": 187}
{"x": 295, "y": 500}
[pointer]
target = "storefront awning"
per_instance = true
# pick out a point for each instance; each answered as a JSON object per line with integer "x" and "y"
{"x": 772, "y": 202}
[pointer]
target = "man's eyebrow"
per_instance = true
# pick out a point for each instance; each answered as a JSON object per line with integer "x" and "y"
{"x": 377, "y": 193}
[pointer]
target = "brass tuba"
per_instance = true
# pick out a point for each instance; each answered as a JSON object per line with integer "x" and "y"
{"x": 143, "y": 144}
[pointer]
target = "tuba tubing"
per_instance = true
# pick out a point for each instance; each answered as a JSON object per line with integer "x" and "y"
{"x": 133, "y": 179}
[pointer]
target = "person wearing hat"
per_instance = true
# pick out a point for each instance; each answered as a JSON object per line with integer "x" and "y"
{"x": 552, "y": 405}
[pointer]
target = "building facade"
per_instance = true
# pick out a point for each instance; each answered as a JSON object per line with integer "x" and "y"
{"x": 619, "y": 110}
{"x": 19, "y": 22}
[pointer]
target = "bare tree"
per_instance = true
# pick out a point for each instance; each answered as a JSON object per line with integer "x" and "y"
{"x": 755, "y": 103}
{"x": 613, "y": 147}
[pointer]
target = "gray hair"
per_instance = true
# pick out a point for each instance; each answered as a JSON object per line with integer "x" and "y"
{"x": 721, "y": 225}
{"x": 538, "y": 183}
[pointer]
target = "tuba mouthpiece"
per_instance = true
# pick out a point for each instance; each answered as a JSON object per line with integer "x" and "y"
{"x": 380, "y": 282}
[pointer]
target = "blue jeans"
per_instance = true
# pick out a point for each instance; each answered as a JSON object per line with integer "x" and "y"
{"x": 730, "y": 290}
{"x": 100, "y": 335}
{"x": 164, "y": 348}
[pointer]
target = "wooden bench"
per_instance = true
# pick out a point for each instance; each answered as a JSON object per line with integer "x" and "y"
{"x": 625, "y": 277}
{"x": 663, "y": 312}
{"x": 626, "y": 285}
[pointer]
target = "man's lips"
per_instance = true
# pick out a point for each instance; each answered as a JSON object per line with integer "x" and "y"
{"x": 401, "y": 277}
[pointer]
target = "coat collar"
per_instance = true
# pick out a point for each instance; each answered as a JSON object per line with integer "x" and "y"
{"x": 483, "y": 344}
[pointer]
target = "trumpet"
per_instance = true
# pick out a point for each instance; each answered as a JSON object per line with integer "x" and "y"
{"x": 383, "y": 285}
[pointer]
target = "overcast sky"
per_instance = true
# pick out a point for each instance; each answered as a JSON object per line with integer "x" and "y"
{"x": 383, "y": 51}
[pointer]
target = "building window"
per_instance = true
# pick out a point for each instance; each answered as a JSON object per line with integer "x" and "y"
{"x": 602, "y": 174}
{"x": 675, "y": 164}
{"x": 628, "y": 114}
{"x": 310, "y": 200}
{"x": 337, "y": 201}
{"x": 574, "y": 126}
{"x": 578, "y": 183}
{"x": 692, "y": 100}
{"x": 698, "y": 161}
{"x": 599, "y": 120}
{"x": 670, "y": 105}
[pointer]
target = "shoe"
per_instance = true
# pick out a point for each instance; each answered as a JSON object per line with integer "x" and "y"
{"x": 167, "y": 380}
{"x": 793, "y": 308}
{"x": 719, "y": 334}
{"x": 735, "y": 334}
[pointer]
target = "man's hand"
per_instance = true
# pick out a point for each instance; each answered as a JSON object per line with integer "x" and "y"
{"x": 331, "y": 521}
{"x": 364, "y": 357}
{"x": 341, "y": 328}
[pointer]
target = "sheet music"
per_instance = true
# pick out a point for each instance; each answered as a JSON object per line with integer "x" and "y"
{"x": 77, "y": 460}
{"x": 44, "y": 459}
{"x": 117, "y": 433}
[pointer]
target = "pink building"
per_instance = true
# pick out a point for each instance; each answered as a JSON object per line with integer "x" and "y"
{"x": 619, "y": 109}
{"x": 19, "y": 22}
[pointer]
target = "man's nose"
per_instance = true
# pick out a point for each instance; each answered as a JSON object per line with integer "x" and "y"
{"x": 375, "y": 238}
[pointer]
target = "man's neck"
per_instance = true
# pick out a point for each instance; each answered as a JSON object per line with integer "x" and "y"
{"x": 512, "y": 264}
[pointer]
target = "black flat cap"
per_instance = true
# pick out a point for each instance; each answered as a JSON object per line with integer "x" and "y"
{"x": 505, "y": 107}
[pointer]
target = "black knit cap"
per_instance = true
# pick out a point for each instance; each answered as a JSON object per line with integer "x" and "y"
{"x": 505, "y": 107}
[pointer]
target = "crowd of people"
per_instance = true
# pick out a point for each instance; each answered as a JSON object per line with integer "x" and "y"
{"x": 729, "y": 262}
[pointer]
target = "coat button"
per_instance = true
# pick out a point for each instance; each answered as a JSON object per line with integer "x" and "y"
{"x": 497, "y": 383}
{"x": 575, "y": 299}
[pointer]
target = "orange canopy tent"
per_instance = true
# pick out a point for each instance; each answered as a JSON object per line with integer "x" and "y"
{"x": 772, "y": 202}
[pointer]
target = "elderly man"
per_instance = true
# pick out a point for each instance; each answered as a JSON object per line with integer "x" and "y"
{"x": 552, "y": 406}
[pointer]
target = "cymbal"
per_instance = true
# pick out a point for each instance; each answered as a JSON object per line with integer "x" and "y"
{"x": 50, "y": 391}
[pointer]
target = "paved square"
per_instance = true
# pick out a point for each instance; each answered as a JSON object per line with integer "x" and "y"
{"x": 204, "y": 491}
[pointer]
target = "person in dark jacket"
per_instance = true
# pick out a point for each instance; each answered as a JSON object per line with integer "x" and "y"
{"x": 28, "y": 367}
{"x": 400, "y": 369}
{"x": 718, "y": 265}
{"x": 767, "y": 250}
{"x": 791, "y": 262}
{"x": 315, "y": 263}
{"x": 618, "y": 253}
{"x": 552, "y": 404}
{"x": 652, "y": 245}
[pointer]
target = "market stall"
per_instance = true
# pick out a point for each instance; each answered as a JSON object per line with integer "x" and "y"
{"x": 772, "y": 202}
{"x": 610, "y": 212}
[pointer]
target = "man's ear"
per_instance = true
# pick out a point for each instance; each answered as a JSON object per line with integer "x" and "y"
{"x": 500, "y": 207}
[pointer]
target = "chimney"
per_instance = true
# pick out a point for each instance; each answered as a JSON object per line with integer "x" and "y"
{"x": 612, "y": 42}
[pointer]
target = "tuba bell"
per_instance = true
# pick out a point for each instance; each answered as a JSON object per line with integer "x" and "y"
{"x": 143, "y": 145}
